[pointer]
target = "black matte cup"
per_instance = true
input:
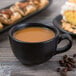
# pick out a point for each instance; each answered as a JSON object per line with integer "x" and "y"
{"x": 35, "y": 53}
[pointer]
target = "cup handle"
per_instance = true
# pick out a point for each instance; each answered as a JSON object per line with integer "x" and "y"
{"x": 67, "y": 47}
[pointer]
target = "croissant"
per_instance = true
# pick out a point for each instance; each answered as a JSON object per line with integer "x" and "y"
{"x": 24, "y": 8}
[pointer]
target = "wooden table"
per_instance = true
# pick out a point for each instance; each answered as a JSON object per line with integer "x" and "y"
{"x": 10, "y": 66}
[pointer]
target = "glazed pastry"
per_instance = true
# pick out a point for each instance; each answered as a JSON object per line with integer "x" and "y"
{"x": 39, "y": 3}
{"x": 1, "y": 26}
{"x": 8, "y": 17}
{"x": 69, "y": 12}
{"x": 24, "y": 8}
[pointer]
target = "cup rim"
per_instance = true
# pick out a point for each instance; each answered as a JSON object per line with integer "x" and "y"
{"x": 24, "y": 24}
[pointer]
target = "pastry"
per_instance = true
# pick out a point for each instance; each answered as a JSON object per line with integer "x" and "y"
{"x": 35, "y": 2}
{"x": 15, "y": 17}
{"x": 68, "y": 12}
{"x": 8, "y": 17}
{"x": 39, "y": 3}
{"x": 24, "y": 8}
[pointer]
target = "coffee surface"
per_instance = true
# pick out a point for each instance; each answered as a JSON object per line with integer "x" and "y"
{"x": 34, "y": 34}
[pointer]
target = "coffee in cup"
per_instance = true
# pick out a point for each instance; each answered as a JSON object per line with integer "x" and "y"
{"x": 34, "y": 34}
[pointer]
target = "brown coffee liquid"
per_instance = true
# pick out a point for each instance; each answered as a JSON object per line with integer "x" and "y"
{"x": 34, "y": 34}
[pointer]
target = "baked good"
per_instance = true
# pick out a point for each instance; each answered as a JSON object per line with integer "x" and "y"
{"x": 39, "y": 3}
{"x": 8, "y": 17}
{"x": 68, "y": 12}
{"x": 24, "y": 8}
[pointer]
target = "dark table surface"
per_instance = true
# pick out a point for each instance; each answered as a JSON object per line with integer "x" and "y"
{"x": 10, "y": 66}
